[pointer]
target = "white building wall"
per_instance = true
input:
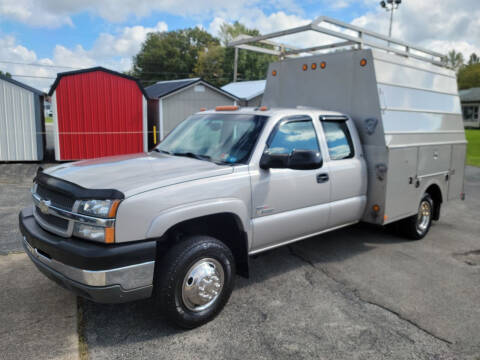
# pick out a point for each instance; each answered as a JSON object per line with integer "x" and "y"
{"x": 18, "y": 131}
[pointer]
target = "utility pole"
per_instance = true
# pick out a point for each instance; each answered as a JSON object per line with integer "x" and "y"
{"x": 390, "y": 5}
{"x": 235, "y": 65}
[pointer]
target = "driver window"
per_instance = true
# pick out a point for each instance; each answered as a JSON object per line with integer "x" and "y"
{"x": 293, "y": 135}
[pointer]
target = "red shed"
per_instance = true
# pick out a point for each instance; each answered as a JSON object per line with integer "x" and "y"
{"x": 99, "y": 112}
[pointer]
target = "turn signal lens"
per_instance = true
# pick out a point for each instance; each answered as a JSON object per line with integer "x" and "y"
{"x": 305, "y": 67}
{"x": 113, "y": 208}
{"x": 110, "y": 235}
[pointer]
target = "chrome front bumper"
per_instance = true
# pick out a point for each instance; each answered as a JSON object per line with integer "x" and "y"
{"x": 107, "y": 286}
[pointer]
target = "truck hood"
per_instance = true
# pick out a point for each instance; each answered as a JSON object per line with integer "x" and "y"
{"x": 136, "y": 173}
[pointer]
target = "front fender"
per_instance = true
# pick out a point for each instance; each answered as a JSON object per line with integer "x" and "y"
{"x": 170, "y": 217}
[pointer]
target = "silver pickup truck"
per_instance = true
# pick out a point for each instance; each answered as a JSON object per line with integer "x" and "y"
{"x": 179, "y": 222}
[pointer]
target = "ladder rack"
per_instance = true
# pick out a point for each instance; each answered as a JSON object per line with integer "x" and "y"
{"x": 350, "y": 35}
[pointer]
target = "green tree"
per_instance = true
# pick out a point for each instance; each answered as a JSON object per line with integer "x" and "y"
{"x": 454, "y": 59}
{"x": 474, "y": 59}
{"x": 251, "y": 65}
{"x": 210, "y": 64}
{"x": 7, "y": 74}
{"x": 170, "y": 55}
{"x": 469, "y": 76}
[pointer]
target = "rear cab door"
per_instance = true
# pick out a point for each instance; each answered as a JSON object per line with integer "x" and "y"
{"x": 347, "y": 170}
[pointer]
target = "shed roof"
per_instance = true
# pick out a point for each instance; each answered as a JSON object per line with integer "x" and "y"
{"x": 22, "y": 85}
{"x": 470, "y": 95}
{"x": 164, "y": 88}
{"x": 97, "y": 68}
{"x": 246, "y": 89}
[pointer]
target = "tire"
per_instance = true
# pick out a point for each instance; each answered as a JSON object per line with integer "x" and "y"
{"x": 416, "y": 227}
{"x": 187, "y": 279}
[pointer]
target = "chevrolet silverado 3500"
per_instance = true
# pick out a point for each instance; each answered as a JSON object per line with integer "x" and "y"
{"x": 179, "y": 222}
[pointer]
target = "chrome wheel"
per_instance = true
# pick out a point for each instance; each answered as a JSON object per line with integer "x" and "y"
{"x": 202, "y": 284}
{"x": 423, "y": 217}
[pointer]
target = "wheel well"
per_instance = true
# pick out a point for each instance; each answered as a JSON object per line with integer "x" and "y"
{"x": 225, "y": 227}
{"x": 436, "y": 195}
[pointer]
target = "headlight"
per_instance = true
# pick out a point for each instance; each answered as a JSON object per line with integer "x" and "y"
{"x": 99, "y": 208}
{"x": 94, "y": 233}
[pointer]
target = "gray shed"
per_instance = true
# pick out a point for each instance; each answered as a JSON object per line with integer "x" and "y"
{"x": 470, "y": 100}
{"x": 179, "y": 99}
{"x": 22, "y": 123}
{"x": 249, "y": 92}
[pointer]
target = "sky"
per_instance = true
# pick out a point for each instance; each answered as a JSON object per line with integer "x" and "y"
{"x": 39, "y": 38}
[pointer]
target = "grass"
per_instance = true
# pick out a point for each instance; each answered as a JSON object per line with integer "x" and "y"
{"x": 48, "y": 119}
{"x": 473, "y": 147}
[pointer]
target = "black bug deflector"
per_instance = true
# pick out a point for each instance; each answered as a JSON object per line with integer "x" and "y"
{"x": 75, "y": 191}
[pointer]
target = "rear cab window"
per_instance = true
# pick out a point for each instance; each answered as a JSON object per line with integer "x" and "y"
{"x": 339, "y": 139}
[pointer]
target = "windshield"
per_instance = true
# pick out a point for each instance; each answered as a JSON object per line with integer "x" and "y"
{"x": 221, "y": 138}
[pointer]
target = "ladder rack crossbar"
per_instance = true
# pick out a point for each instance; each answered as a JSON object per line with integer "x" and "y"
{"x": 360, "y": 37}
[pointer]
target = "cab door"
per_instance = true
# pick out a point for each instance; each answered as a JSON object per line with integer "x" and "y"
{"x": 347, "y": 169}
{"x": 289, "y": 204}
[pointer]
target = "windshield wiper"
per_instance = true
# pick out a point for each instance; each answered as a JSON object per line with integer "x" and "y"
{"x": 194, "y": 156}
{"x": 202, "y": 157}
{"x": 163, "y": 151}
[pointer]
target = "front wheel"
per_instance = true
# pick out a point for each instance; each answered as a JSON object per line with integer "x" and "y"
{"x": 417, "y": 226}
{"x": 194, "y": 281}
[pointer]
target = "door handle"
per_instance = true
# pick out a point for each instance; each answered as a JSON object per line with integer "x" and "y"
{"x": 321, "y": 178}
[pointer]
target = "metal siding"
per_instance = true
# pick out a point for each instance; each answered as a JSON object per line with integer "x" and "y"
{"x": 182, "y": 104}
{"x": 18, "y": 130}
{"x": 98, "y": 114}
{"x": 39, "y": 125}
{"x": 414, "y": 104}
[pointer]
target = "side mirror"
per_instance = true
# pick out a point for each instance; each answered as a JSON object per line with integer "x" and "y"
{"x": 274, "y": 161}
{"x": 297, "y": 160}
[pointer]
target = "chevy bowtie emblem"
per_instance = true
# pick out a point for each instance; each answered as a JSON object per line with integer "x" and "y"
{"x": 44, "y": 205}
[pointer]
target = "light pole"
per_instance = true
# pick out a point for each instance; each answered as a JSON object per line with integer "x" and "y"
{"x": 390, "y": 5}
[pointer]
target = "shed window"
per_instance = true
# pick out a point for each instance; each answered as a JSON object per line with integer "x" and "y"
{"x": 470, "y": 113}
{"x": 339, "y": 141}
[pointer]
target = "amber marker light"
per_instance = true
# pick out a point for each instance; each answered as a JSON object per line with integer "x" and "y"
{"x": 376, "y": 208}
{"x": 263, "y": 108}
{"x": 314, "y": 66}
{"x": 274, "y": 73}
{"x": 203, "y": 109}
{"x": 110, "y": 235}
{"x": 363, "y": 62}
{"x": 113, "y": 209}
{"x": 323, "y": 64}
{"x": 304, "y": 67}
{"x": 226, "y": 108}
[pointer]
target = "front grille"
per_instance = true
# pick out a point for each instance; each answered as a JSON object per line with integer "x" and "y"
{"x": 61, "y": 224}
{"x": 59, "y": 200}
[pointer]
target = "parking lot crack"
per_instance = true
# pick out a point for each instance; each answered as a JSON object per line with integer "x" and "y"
{"x": 361, "y": 298}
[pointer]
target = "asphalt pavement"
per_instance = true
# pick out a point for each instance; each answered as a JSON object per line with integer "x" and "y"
{"x": 358, "y": 293}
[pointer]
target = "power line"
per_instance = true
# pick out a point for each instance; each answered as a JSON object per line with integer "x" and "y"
{"x": 142, "y": 79}
{"x": 34, "y": 64}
